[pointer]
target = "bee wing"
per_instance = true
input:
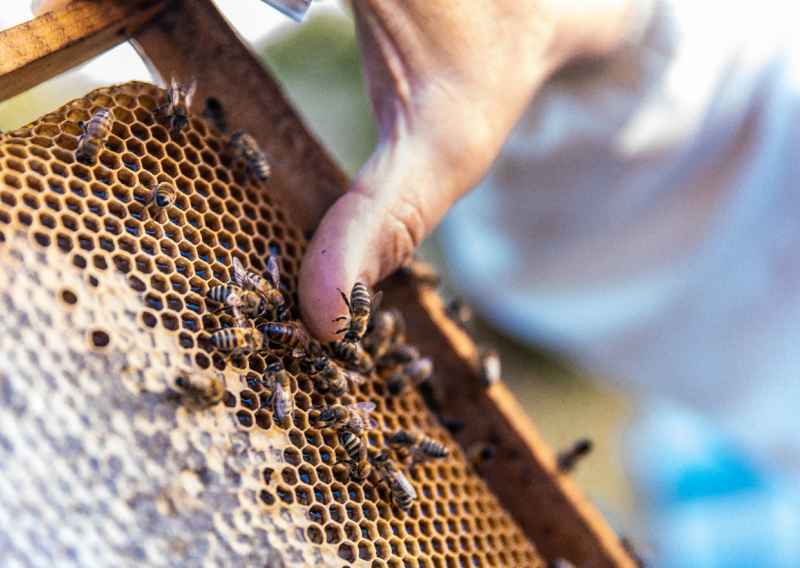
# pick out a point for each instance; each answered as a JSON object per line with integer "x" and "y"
{"x": 355, "y": 378}
{"x": 374, "y": 302}
{"x": 284, "y": 403}
{"x": 274, "y": 272}
{"x": 403, "y": 482}
{"x": 363, "y": 407}
{"x": 191, "y": 86}
{"x": 302, "y": 335}
{"x": 239, "y": 273}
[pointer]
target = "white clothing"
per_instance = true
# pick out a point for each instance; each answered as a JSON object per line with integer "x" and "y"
{"x": 645, "y": 216}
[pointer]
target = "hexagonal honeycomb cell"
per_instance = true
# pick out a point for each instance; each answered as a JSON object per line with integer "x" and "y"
{"x": 106, "y": 313}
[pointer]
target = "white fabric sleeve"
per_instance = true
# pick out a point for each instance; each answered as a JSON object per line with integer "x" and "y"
{"x": 645, "y": 216}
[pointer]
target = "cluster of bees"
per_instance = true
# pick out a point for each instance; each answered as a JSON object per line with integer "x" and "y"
{"x": 372, "y": 340}
{"x": 335, "y": 368}
{"x": 179, "y": 99}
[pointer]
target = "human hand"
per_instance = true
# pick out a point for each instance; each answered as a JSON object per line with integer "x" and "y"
{"x": 447, "y": 80}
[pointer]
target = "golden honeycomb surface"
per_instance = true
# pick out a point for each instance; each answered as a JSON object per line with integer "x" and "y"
{"x": 104, "y": 459}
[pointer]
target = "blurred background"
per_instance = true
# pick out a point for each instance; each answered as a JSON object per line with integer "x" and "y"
{"x": 318, "y": 65}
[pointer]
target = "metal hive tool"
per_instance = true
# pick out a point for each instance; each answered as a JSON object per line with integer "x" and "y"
{"x": 104, "y": 459}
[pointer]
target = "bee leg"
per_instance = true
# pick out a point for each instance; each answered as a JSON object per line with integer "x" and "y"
{"x": 340, "y": 331}
{"x": 346, "y": 302}
{"x": 82, "y": 125}
{"x": 340, "y": 318}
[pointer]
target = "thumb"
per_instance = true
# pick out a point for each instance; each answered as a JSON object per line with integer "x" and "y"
{"x": 369, "y": 231}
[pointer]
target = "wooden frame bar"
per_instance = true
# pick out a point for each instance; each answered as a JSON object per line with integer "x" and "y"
{"x": 46, "y": 46}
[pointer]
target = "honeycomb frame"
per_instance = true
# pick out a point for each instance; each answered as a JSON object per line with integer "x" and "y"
{"x": 93, "y": 219}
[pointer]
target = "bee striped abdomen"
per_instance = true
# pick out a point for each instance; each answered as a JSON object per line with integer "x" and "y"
{"x": 400, "y": 497}
{"x": 282, "y": 333}
{"x": 353, "y": 446}
{"x": 433, "y": 449}
{"x": 164, "y": 195}
{"x": 91, "y": 143}
{"x": 220, "y": 293}
{"x": 359, "y": 299}
{"x": 228, "y": 339}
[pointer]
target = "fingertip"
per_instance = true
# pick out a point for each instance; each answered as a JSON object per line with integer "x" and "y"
{"x": 333, "y": 261}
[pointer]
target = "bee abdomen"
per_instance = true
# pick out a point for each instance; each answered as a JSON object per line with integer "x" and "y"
{"x": 359, "y": 297}
{"x": 227, "y": 339}
{"x": 353, "y": 446}
{"x": 260, "y": 168}
{"x": 220, "y": 293}
{"x": 164, "y": 195}
{"x": 433, "y": 449}
{"x": 402, "y": 499}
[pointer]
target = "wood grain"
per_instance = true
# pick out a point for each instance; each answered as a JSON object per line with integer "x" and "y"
{"x": 190, "y": 38}
{"x": 46, "y": 46}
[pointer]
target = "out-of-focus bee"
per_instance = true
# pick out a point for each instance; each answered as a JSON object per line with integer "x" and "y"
{"x": 402, "y": 354}
{"x": 356, "y": 451}
{"x": 570, "y": 457}
{"x": 385, "y": 330}
{"x": 336, "y": 380}
{"x": 417, "y": 270}
{"x": 239, "y": 341}
{"x": 400, "y": 487}
{"x": 291, "y": 335}
{"x": 361, "y": 308}
{"x": 481, "y": 455}
{"x": 560, "y": 563}
{"x": 415, "y": 373}
{"x": 352, "y": 417}
{"x": 283, "y": 404}
{"x": 251, "y": 281}
{"x": 420, "y": 446}
{"x": 353, "y": 356}
{"x": 215, "y": 114}
{"x": 460, "y": 313}
{"x": 94, "y": 136}
{"x": 201, "y": 385}
{"x": 489, "y": 369}
{"x": 163, "y": 194}
{"x": 252, "y": 154}
{"x": 629, "y": 547}
{"x": 179, "y": 99}
{"x": 241, "y": 302}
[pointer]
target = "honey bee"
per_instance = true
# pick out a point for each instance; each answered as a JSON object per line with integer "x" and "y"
{"x": 560, "y": 563}
{"x": 567, "y": 459}
{"x": 94, "y": 137}
{"x": 201, "y": 386}
{"x": 239, "y": 341}
{"x": 400, "y": 487}
{"x": 356, "y": 451}
{"x": 241, "y": 302}
{"x": 400, "y": 355}
{"x": 214, "y": 113}
{"x": 163, "y": 194}
{"x": 481, "y": 455}
{"x": 420, "y": 446}
{"x": 489, "y": 370}
{"x": 415, "y": 373}
{"x": 332, "y": 378}
{"x": 460, "y": 313}
{"x": 291, "y": 335}
{"x": 252, "y": 154}
{"x": 283, "y": 404}
{"x": 415, "y": 269}
{"x": 352, "y": 417}
{"x": 385, "y": 330}
{"x": 353, "y": 356}
{"x": 251, "y": 281}
{"x": 361, "y": 308}
{"x": 179, "y": 99}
